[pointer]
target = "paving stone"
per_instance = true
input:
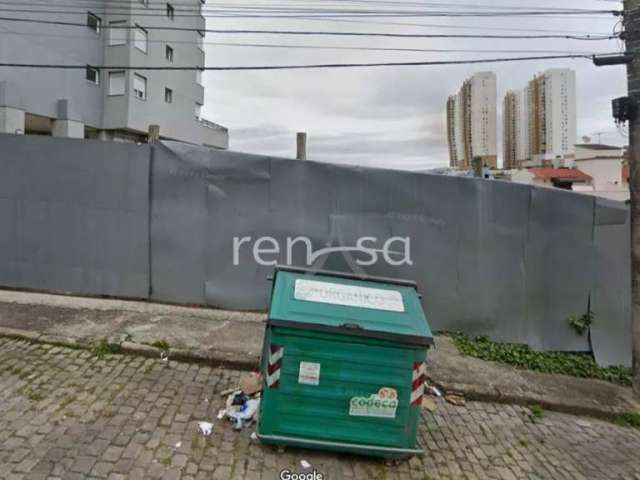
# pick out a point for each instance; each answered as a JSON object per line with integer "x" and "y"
{"x": 123, "y": 418}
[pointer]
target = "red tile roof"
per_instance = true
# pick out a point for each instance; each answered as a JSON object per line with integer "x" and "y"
{"x": 598, "y": 146}
{"x": 567, "y": 174}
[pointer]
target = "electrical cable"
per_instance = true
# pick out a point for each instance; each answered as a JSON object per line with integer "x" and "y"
{"x": 296, "y": 67}
{"x": 287, "y": 12}
{"x": 322, "y": 47}
{"x": 306, "y": 32}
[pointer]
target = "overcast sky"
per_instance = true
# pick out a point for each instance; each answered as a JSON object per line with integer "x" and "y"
{"x": 391, "y": 117}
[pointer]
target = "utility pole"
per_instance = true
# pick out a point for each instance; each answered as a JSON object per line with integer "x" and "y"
{"x": 627, "y": 109}
{"x": 301, "y": 143}
{"x": 632, "y": 42}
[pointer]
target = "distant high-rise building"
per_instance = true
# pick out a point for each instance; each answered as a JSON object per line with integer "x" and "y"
{"x": 471, "y": 121}
{"x": 451, "y": 130}
{"x": 552, "y": 115}
{"x": 509, "y": 131}
{"x": 540, "y": 120}
{"x": 515, "y": 129}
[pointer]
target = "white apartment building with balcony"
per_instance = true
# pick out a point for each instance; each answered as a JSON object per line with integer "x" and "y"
{"x": 112, "y": 104}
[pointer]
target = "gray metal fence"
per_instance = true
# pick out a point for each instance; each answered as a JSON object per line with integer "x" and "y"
{"x": 510, "y": 261}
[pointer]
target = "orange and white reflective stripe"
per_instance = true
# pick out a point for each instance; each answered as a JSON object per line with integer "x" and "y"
{"x": 275, "y": 365}
{"x": 417, "y": 382}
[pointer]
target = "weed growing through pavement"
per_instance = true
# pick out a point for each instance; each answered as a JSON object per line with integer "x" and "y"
{"x": 536, "y": 412}
{"x": 102, "y": 347}
{"x": 629, "y": 420}
{"x": 161, "y": 344}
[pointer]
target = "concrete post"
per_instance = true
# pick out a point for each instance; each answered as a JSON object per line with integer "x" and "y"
{"x": 154, "y": 133}
{"x": 477, "y": 166}
{"x": 301, "y": 144}
{"x": 632, "y": 43}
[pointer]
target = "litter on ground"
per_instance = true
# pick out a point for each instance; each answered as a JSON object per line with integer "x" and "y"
{"x": 428, "y": 404}
{"x": 205, "y": 428}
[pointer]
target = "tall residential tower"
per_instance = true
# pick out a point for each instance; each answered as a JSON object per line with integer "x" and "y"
{"x": 515, "y": 129}
{"x": 540, "y": 121}
{"x": 471, "y": 121}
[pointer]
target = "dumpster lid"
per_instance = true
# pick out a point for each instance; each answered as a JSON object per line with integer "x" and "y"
{"x": 327, "y": 301}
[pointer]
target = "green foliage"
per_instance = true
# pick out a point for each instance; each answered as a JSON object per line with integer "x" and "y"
{"x": 521, "y": 356}
{"x": 102, "y": 347}
{"x": 631, "y": 420}
{"x": 536, "y": 411}
{"x": 581, "y": 324}
{"x": 161, "y": 344}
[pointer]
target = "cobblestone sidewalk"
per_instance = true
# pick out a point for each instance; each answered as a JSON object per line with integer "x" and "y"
{"x": 66, "y": 414}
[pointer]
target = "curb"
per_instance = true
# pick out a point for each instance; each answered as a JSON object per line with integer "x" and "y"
{"x": 242, "y": 362}
{"x": 213, "y": 359}
{"x": 477, "y": 394}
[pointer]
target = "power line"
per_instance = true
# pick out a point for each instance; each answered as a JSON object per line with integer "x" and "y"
{"x": 287, "y": 12}
{"x": 191, "y": 6}
{"x": 227, "y": 14}
{"x": 325, "y": 47}
{"x": 462, "y": 27}
{"x": 310, "y": 33}
{"x": 297, "y": 67}
{"x": 306, "y": 9}
{"x": 422, "y": 25}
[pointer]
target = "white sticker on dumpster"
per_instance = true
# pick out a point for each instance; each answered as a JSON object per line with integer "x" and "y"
{"x": 348, "y": 295}
{"x": 309, "y": 373}
{"x": 382, "y": 404}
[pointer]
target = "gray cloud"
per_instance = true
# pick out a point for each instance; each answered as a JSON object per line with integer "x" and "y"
{"x": 392, "y": 117}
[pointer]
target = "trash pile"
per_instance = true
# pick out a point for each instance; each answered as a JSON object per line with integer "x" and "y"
{"x": 433, "y": 389}
{"x": 243, "y": 404}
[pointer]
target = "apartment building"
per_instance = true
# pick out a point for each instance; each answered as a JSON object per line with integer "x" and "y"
{"x": 473, "y": 123}
{"x": 540, "y": 121}
{"x": 451, "y": 129}
{"x": 515, "y": 129}
{"x": 455, "y": 131}
{"x": 115, "y": 104}
{"x": 509, "y": 153}
{"x": 552, "y": 117}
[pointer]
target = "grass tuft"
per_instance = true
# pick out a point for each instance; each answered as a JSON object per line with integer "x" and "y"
{"x": 102, "y": 348}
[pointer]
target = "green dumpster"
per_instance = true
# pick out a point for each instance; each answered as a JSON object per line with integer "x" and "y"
{"x": 344, "y": 363}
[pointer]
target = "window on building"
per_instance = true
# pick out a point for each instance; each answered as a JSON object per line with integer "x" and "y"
{"x": 171, "y": 12}
{"x": 198, "y": 110}
{"x": 116, "y": 83}
{"x": 93, "y": 75}
{"x": 140, "y": 38}
{"x": 168, "y": 95}
{"x": 94, "y": 22}
{"x": 169, "y": 54}
{"x": 199, "y": 77}
{"x": 117, "y": 34}
{"x": 139, "y": 86}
